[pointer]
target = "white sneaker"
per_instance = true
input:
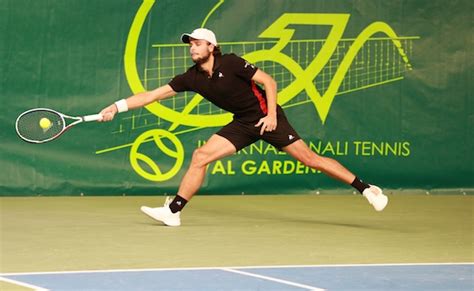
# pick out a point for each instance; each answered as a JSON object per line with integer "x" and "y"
{"x": 163, "y": 214}
{"x": 376, "y": 197}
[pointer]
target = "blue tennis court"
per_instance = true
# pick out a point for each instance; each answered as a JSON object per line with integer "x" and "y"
{"x": 459, "y": 276}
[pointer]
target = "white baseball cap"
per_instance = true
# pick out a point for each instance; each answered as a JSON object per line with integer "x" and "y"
{"x": 200, "y": 33}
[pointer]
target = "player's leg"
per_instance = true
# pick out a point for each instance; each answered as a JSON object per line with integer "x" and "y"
{"x": 228, "y": 140}
{"x": 217, "y": 147}
{"x": 288, "y": 140}
{"x": 300, "y": 151}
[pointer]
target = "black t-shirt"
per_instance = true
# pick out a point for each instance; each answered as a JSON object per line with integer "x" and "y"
{"x": 230, "y": 87}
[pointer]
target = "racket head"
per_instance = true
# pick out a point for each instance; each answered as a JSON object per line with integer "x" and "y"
{"x": 29, "y": 129}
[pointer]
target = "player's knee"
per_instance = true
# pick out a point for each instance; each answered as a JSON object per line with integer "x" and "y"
{"x": 309, "y": 160}
{"x": 200, "y": 158}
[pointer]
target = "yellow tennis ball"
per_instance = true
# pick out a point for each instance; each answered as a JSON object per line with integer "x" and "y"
{"x": 44, "y": 123}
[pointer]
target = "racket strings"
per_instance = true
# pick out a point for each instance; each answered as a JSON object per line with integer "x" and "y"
{"x": 40, "y": 125}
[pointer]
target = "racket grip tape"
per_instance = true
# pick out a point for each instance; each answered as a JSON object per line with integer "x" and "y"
{"x": 92, "y": 117}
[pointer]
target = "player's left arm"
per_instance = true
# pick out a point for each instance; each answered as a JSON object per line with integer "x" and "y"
{"x": 269, "y": 122}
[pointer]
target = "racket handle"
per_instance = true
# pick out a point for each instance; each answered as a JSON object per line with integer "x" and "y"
{"x": 92, "y": 117}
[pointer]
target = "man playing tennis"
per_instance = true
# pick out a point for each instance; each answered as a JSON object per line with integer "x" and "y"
{"x": 230, "y": 83}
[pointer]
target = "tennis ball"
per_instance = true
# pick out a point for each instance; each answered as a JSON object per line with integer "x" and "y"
{"x": 44, "y": 123}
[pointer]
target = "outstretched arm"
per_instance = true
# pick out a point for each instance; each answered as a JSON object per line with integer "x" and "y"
{"x": 137, "y": 101}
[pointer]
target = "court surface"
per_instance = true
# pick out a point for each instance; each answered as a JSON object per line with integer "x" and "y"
{"x": 334, "y": 277}
{"x": 274, "y": 242}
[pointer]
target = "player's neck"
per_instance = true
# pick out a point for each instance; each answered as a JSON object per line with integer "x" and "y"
{"x": 208, "y": 65}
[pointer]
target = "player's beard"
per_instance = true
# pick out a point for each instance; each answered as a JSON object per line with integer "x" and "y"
{"x": 202, "y": 60}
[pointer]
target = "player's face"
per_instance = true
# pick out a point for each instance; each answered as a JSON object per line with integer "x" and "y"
{"x": 200, "y": 50}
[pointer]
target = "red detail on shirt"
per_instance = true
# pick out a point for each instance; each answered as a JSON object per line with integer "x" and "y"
{"x": 261, "y": 99}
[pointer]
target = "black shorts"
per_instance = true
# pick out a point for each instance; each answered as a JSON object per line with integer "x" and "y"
{"x": 242, "y": 133}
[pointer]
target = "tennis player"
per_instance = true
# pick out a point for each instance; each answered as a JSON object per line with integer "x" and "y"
{"x": 230, "y": 83}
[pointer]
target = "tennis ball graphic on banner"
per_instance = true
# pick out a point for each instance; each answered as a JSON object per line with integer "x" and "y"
{"x": 151, "y": 142}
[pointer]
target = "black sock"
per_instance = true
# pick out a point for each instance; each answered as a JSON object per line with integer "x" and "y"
{"x": 359, "y": 185}
{"x": 177, "y": 204}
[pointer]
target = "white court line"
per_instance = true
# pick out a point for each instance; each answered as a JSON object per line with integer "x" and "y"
{"x": 234, "y": 267}
{"x": 14, "y": 282}
{"x": 312, "y": 288}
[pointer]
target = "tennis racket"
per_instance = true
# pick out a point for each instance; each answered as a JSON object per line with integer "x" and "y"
{"x": 40, "y": 125}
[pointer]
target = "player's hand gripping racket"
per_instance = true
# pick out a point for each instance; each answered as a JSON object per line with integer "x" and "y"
{"x": 41, "y": 125}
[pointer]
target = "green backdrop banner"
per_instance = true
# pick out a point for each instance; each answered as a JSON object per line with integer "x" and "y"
{"x": 382, "y": 86}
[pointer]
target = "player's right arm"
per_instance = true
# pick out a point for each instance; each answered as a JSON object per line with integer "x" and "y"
{"x": 137, "y": 101}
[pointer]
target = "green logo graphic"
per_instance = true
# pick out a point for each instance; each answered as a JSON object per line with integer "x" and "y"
{"x": 307, "y": 71}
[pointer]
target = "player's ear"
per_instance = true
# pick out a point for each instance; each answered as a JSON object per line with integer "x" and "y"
{"x": 211, "y": 47}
